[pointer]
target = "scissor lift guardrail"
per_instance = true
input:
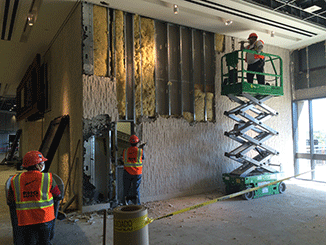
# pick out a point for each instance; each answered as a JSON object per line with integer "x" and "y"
{"x": 250, "y": 131}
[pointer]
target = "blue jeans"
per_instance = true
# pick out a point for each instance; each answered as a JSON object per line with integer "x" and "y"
{"x": 131, "y": 184}
{"x": 34, "y": 234}
{"x": 258, "y": 67}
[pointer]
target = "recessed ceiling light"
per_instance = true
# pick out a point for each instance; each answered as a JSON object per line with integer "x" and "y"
{"x": 312, "y": 9}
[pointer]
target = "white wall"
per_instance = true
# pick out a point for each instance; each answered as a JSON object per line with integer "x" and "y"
{"x": 64, "y": 59}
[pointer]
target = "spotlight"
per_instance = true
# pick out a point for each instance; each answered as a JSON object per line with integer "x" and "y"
{"x": 175, "y": 9}
{"x": 31, "y": 18}
{"x": 272, "y": 33}
{"x": 228, "y": 22}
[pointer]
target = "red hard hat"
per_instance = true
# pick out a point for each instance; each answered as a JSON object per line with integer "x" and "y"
{"x": 32, "y": 158}
{"x": 253, "y": 35}
{"x": 133, "y": 139}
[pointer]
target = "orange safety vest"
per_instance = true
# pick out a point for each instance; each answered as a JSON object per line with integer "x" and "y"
{"x": 256, "y": 56}
{"x": 34, "y": 201}
{"x": 133, "y": 160}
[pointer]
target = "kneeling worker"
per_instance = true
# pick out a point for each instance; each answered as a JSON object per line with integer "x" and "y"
{"x": 33, "y": 193}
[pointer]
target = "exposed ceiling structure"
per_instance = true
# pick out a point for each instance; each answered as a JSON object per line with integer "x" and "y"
{"x": 28, "y": 27}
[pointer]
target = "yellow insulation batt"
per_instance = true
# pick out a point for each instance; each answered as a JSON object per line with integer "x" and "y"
{"x": 219, "y": 42}
{"x": 144, "y": 66}
{"x": 120, "y": 62}
{"x": 100, "y": 36}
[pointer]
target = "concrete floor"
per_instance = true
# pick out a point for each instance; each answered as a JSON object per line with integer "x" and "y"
{"x": 295, "y": 217}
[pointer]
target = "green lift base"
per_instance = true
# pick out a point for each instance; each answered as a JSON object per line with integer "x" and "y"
{"x": 235, "y": 183}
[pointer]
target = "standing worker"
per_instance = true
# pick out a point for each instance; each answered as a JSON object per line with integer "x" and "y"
{"x": 132, "y": 174}
{"x": 33, "y": 193}
{"x": 255, "y": 62}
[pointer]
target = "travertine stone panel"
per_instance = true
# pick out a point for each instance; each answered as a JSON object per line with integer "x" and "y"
{"x": 99, "y": 97}
{"x": 100, "y": 37}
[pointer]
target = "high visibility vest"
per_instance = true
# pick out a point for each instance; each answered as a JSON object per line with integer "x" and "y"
{"x": 256, "y": 56}
{"x": 133, "y": 160}
{"x": 34, "y": 201}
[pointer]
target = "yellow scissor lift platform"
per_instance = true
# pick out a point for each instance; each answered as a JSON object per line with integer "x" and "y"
{"x": 250, "y": 131}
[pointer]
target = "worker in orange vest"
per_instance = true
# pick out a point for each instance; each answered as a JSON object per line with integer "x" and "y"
{"x": 132, "y": 174}
{"x": 255, "y": 62}
{"x": 33, "y": 193}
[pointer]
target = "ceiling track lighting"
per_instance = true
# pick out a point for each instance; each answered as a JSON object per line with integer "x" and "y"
{"x": 31, "y": 18}
{"x": 228, "y": 22}
{"x": 175, "y": 9}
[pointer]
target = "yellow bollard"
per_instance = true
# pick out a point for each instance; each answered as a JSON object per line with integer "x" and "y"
{"x": 130, "y": 225}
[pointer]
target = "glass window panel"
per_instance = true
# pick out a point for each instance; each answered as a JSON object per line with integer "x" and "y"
{"x": 303, "y": 127}
{"x": 320, "y": 170}
{"x": 319, "y": 127}
{"x": 304, "y": 166}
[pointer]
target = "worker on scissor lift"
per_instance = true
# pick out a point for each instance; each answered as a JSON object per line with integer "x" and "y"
{"x": 255, "y": 62}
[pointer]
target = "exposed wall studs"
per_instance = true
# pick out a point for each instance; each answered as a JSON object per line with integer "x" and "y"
{"x": 204, "y": 75}
{"x": 169, "y": 83}
{"x": 181, "y": 69}
{"x": 88, "y": 45}
{"x": 192, "y": 76}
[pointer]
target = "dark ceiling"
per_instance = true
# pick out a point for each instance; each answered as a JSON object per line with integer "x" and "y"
{"x": 313, "y": 11}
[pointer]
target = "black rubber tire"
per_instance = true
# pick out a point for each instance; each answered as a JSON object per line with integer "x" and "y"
{"x": 282, "y": 187}
{"x": 249, "y": 195}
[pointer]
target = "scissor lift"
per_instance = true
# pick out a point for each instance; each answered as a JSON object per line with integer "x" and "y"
{"x": 250, "y": 131}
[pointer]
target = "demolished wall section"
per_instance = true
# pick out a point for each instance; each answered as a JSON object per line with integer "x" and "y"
{"x": 183, "y": 158}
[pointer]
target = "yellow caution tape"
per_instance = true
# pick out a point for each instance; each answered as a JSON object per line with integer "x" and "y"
{"x": 149, "y": 220}
{"x": 130, "y": 225}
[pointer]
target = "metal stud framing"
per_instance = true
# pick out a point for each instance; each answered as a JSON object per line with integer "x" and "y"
{"x": 192, "y": 81}
{"x": 204, "y": 71}
{"x": 88, "y": 44}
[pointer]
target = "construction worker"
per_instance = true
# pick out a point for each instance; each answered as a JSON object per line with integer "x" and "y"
{"x": 255, "y": 62}
{"x": 132, "y": 174}
{"x": 33, "y": 193}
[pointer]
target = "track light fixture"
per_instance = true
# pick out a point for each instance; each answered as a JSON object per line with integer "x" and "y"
{"x": 175, "y": 9}
{"x": 228, "y": 22}
{"x": 31, "y": 18}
